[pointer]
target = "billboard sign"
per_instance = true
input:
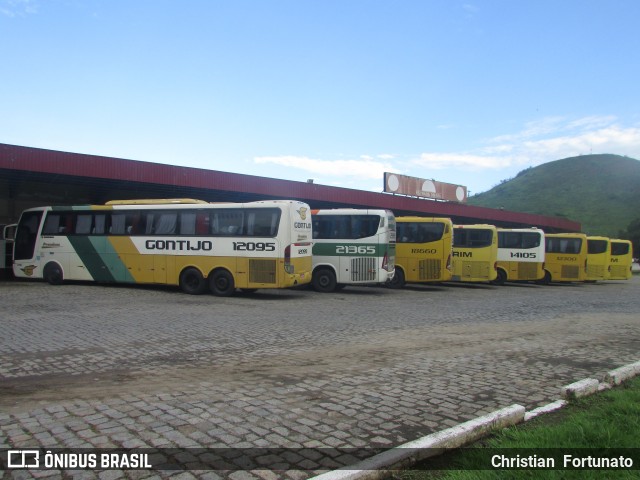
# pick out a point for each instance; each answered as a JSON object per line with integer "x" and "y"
{"x": 420, "y": 187}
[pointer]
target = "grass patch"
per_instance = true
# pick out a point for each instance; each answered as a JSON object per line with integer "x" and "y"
{"x": 606, "y": 424}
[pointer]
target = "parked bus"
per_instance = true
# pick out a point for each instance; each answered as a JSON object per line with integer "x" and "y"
{"x": 423, "y": 250}
{"x": 621, "y": 259}
{"x": 475, "y": 253}
{"x": 598, "y": 258}
{"x": 565, "y": 257}
{"x": 352, "y": 247}
{"x": 189, "y": 243}
{"x": 520, "y": 255}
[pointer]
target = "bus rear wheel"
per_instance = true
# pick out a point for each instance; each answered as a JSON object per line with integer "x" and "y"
{"x": 501, "y": 278}
{"x": 546, "y": 280}
{"x": 324, "y": 280}
{"x": 221, "y": 283}
{"x": 398, "y": 280}
{"x": 192, "y": 281}
{"x": 52, "y": 273}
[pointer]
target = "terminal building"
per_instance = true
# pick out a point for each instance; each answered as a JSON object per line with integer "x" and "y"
{"x": 32, "y": 177}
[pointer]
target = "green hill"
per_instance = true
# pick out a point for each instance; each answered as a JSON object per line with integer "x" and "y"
{"x": 602, "y": 192}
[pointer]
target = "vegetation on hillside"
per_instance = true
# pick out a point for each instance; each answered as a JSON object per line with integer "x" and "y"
{"x": 602, "y": 192}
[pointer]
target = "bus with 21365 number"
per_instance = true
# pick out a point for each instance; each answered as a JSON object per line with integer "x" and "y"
{"x": 352, "y": 247}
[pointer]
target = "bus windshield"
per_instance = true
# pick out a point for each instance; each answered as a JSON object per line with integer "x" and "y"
{"x": 415, "y": 232}
{"x": 472, "y": 238}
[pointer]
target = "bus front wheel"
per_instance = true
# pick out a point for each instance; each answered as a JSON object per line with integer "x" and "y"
{"x": 324, "y": 280}
{"x": 192, "y": 281}
{"x": 221, "y": 283}
{"x": 52, "y": 273}
{"x": 398, "y": 279}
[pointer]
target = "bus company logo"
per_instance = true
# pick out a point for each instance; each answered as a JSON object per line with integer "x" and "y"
{"x": 302, "y": 211}
{"x": 463, "y": 254}
{"x": 23, "y": 458}
{"x": 179, "y": 245}
{"x": 50, "y": 245}
{"x": 28, "y": 270}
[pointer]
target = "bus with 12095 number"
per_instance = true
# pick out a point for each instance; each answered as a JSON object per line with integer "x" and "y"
{"x": 184, "y": 242}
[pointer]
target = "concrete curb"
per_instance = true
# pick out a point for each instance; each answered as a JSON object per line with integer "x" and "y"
{"x": 579, "y": 389}
{"x": 407, "y": 454}
{"x": 619, "y": 375}
{"x": 378, "y": 466}
{"x": 548, "y": 408}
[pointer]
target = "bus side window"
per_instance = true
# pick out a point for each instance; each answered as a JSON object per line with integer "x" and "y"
{"x": 202, "y": 223}
{"x": 187, "y": 223}
{"x": 83, "y": 223}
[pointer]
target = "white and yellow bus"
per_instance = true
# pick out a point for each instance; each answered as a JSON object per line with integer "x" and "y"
{"x": 189, "y": 243}
{"x": 423, "y": 250}
{"x": 621, "y": 259}
{"x": 598, "y": 258}
{"x": 475, "y": 253}
{"x": 520, "y": 255}
{"x": 565, "y": 257}
{"x": 352, "y": 247}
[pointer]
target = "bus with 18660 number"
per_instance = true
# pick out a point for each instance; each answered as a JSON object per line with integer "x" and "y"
{"x": 423, "y": 250}
{"x": 184, "y": 242}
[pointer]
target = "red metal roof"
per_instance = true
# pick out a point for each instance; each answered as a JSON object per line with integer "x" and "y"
{"x": 29, "y": 159}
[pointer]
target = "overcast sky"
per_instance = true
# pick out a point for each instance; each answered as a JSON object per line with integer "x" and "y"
{"x": 465, "y": 92}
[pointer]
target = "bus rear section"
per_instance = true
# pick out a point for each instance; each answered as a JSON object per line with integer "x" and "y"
{"x": 621, "y": 259}
{"x": 352, "y": 247}
{"x": 475, "y": 253}
{"x": 565, "y": 257}
{"x": 598, "y": 258}
{"x": 423, "y": 250}
{"x": 7, "y": 234}
{"x": 520, "y": 255}
{"x": 192, "y": 244}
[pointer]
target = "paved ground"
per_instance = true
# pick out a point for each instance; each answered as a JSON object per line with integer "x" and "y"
{"x": 85, "y": 365}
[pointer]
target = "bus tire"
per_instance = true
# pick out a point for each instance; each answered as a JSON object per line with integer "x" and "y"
{"x": 52, "y": 273}
{"x": 398, "y": 280}
{"x": 221, "y": 283}
{"x": 324, "y": 280}
{"x": 192, "y": 281}
{"x": 546, "y": 280}
{"x": 501, "y": 278}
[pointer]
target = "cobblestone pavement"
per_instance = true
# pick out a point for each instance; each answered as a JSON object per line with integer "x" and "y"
{"x": 84, "y": 365}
